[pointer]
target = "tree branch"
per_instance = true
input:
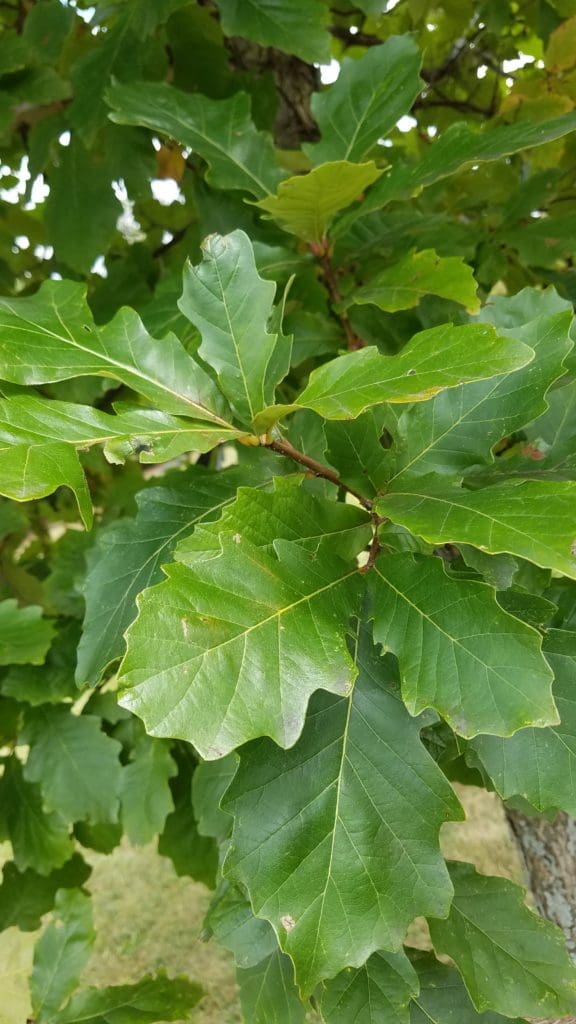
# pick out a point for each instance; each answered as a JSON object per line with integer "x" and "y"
{"x": 325, "y": 472}
{"x": 321, "y": 251}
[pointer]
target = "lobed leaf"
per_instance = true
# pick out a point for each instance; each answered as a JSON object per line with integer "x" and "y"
{"x": 539, "y": 764}
{"x": 61, "y": 953}
{"x": 299, "y": 27}
{"x": 220, "y": 131}
{"x": 530, "y": 518}
{"x": 381, "y": 991}
{"x": 420, "y": 273}
{"x": 231, "y": 305}
{"x": 51, "y": 336}
{"x": 491, "y": 935}
{"x": 459, "y": 652}
{"x": 24, "y": 635}
{"x": 128, "y": 555}
{"x": 74, "y": 762}
{"x": 306, "y": 204}
{"x": 336, "y": 840}
{"x": 435, "y": 359}
{"x": 369, "y": 96}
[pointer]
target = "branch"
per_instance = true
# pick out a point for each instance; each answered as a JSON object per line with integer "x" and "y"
{"x": 287, "y": 449}
{"x": 321, "y": 251}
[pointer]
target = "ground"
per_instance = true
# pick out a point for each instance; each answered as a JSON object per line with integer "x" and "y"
{"x": 148, "y": 918}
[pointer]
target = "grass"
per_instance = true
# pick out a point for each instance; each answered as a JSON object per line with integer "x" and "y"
{"x": 148, "y": 918}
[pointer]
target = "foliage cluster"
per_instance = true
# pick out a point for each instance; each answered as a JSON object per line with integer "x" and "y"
{"x": 288, "y": 465}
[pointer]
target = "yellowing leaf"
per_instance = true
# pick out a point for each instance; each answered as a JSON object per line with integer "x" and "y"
{"x": 306, "y": 204}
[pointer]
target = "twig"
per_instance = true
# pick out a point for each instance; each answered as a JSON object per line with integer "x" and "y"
{"x": 375, "y": 547}
{"x": 322, "y": 252}
{"x": 285, "y": 448}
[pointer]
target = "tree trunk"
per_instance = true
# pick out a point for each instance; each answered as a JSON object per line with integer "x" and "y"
{"x": 549, "y": 852}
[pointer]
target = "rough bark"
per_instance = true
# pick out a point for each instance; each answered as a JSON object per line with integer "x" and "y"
{"x": 295, "y": 83}
{"x": 549, "y": 852}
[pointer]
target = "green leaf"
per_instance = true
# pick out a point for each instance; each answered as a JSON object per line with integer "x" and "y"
{"x": 128, "y": 555}
{"x": 289, "y": 512}
{"x": 366, "y": 101}
{"x": 25, "y": 896}
{"x": 490, "y": 934}
{"x": 209, "y": 783}
{"x": 336, "y": 840}
{"x": 458, "y": 428}
{"x": 190, "y": 853}
{"x": 39, "y": 840}
{"x": 539, "y": 764}
{"x": 356, "y": 448}
{"x": 231, "y": 921}
{"x": 51, "y": 336}
{"x": 459, "y": 652}
{"x": 420, "y": 273}
{"x": 149, "y": 1000}
{"x": 299, "y": 27}
{"x": 118, "y": 51}
{"x": 305, "y": 205}
{"x": 266, "y": 625}
{"x": 220, "y": 131}
{"x": 75, "y": 764}
{"x": 443, "y": 998}
{"x": 145, "y": 797}
{"x": 81, "y": 191}
{"x": 231, "y": 305}
{"x": 377, "y": 993}
{"x": 435, "y": 359}
{"x": 268, "y": 994}
{"x": 51, "y": 682}
{"x": 458, "y": 146}
{"x": 530, "y": 518}
{"x": 61, "y": 953}
{"x": 24, "y": 635}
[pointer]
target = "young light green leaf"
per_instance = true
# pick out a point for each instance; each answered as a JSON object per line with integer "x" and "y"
{"x": 25, "y": 896}
{"x": 377, "y": 993}
{"x": 267, "y": 626}
{"x": 459, "y": 652}
{"x": 230, "y": 304}
{"x": 24, "y": 635}
{"x": 336, "y": 840}
{"x": 530, "y": 518}
{"x": 458, "y": 428}
{"x": 147, "y": 1001}
{"x": 366, "y": 101}
{"x": 491, "y": 935}
{"x": 128, "y": 554}
{"x": 305, "y": 205}
{"x": 288, "y": 512}
{"x": 39, "y": 840}
{"x": 299, "y": 27}
{"x": 74, "y": 762}
{"x": 435, "y": 359}
{"x": 220, "y": 131}
{"x": 457, "y": 146}
{"x": 61, "y": 953}
{"x": 443, "y": 998}
{"x": 16, "y": 953}
{"x": 420, "y": 273}
{"x": 51, "y": 336}
{"x": 145, "y": 797}
{"x": 268, "y": 994}
{"x": 540, "y": 764}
